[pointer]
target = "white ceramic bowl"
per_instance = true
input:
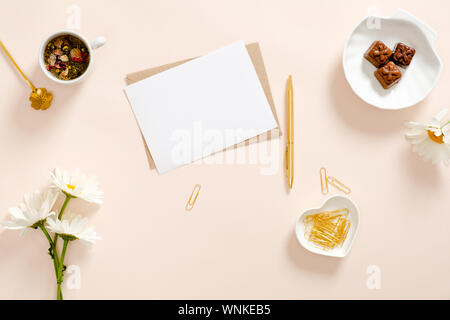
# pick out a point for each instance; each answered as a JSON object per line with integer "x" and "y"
{"x": 332, "y": 203}
{"x": 417, "y": 81}
{"x": 97, "y": 43}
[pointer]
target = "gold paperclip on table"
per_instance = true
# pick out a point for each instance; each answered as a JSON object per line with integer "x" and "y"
{"x": 326, "y": 180}
{"x": 193, "y": 198}
{"x": 338, "y": 185}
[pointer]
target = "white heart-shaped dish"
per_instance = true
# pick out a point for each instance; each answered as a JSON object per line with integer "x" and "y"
{"x": 417, "y": 81}
{"x": 332, "y": 203}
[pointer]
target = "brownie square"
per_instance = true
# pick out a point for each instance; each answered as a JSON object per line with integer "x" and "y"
{"x": 388, "y": 75}
{"x": 403, "y": 55}
{"x": 378, "y": 54}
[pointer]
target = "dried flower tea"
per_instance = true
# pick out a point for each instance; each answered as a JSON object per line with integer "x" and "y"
{"x": 66, "y": 57}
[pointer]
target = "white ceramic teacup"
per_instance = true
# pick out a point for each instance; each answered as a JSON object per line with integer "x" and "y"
{"x": 100, "y": 41}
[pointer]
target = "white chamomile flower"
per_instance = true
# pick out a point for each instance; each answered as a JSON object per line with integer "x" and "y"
{"x": 77, "y": 185}
{"x": 35, "y": 209}
{"x": 431, "y": 141}
{"x": 73, "y": 227}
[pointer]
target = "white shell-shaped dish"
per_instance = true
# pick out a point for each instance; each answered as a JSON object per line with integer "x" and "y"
{"x": 417, "y": 81}
{"x": 333, "y": 203}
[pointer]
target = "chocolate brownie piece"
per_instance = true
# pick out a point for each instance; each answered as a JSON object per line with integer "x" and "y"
{"x": 388, "y": 75}
{"x": 403, "y": 55}
{"x": 378, "y": 54}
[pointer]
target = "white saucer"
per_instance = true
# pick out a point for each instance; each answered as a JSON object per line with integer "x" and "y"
{"x": 417, "y": 81}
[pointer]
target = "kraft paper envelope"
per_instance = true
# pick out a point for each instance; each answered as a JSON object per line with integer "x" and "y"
{"x": 254, "y": 52}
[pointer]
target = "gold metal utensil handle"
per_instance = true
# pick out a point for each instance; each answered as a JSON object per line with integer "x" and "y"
{"x": 18, "y": 68}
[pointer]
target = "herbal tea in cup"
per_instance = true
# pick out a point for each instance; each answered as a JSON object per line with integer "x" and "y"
{"x": 66, "y": 56}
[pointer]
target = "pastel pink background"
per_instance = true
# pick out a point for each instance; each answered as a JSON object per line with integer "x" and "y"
{"x": 239, "y": 240}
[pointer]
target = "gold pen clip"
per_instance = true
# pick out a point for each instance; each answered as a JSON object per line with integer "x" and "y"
{"x": 286, "y": 160}
{"x": 193, "y": 198}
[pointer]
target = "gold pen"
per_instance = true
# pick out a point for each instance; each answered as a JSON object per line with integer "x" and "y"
{"x": 290, "y": 133}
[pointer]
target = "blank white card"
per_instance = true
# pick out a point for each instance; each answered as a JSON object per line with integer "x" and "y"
{"x": 201, "y": 107}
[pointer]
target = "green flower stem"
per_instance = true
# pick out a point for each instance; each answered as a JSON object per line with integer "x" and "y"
{"x": 60, "y": 269}
{"x": 53, "y": 248}
{"x": 61, "y": 212}
{"x": 445, "y": 125}
{"x": 63, "y": 208}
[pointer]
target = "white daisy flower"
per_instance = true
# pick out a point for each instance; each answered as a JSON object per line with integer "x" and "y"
{"x": 73, "y": 227}
{"x": 431, "y": 141}
{"x": 77, "y": 185}
{"x": 34, "y": 210}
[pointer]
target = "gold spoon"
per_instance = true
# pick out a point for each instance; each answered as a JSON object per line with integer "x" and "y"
{"x": 40, "y": 98}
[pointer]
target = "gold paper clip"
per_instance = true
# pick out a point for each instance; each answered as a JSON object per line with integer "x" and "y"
{"x": 338, "y": 185}
{"x": 193, "y": 197}
{"x": 323, "y": 180}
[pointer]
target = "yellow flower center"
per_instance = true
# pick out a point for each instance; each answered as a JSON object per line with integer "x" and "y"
{"x": 437, "y": 139}
{"x": 72, "y": 187}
